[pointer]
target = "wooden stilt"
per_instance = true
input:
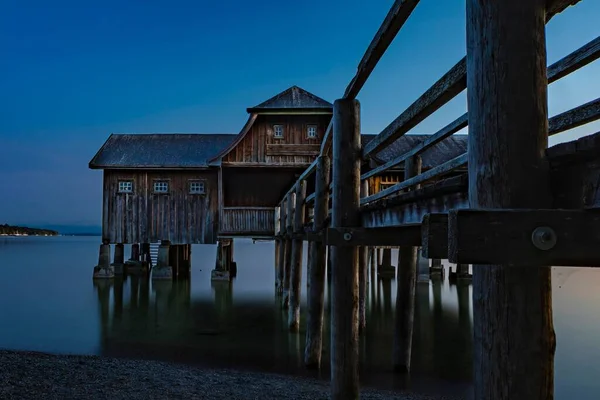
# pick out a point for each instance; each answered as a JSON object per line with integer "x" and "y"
{"x": 363, "y": 273}
{"x": 363, "y": 277}
{"x": 230, "y": 259}
{"x": 316, "y": 269}
{"x": 287, "y": 266}
{"x": 508, "y": 133}
{"x": 346, "y": 198}
{"x": 436, "y": 269}
{"x": 281, "y": 252}
{"x": 135, "y": 252}
{"x": 405, "y": 294}
{"x": 386, "y": 269}
{"x": 277, "y": 249}
{"x": 146, "y": 259}
{"x": 462, "y": 271}
{"x": 297, "y": 247}
{"x": 372, "y": 264}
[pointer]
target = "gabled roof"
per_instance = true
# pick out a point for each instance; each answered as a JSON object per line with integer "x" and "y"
{"x": 180, "y": 151}
{"x": 443, "y": 151}
{"x": 294, "y": 98}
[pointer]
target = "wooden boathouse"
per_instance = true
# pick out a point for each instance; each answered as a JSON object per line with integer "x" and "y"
{"x": 183, "y": 189}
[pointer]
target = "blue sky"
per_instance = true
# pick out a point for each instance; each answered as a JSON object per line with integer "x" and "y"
{"x": 72, "y": 72}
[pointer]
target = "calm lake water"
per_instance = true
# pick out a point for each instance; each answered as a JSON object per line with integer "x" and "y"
{"x": 50, "y": 304}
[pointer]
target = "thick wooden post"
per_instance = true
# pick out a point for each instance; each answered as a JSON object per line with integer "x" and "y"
{"x": 344, "y": 276}
{"x": 316, "y": 268}
{"x": 405, "y": 293}
{"x": 287, "y": 265}
{"x": 297, "y": 245}
{"x": 514, "y": 339}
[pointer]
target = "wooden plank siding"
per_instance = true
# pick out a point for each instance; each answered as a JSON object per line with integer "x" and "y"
{"x": 248, "y": 220}
{"x": 295, "y": 148}
{"x": 144, "y": 216}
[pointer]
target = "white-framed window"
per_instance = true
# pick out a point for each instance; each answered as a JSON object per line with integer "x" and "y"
{"x": 197, "y": 187}
{"x": 161, "y": 187}
{"x": 311, "y": 131}
{"x": 125, "y": 186}
{"x": 278, "y": 131}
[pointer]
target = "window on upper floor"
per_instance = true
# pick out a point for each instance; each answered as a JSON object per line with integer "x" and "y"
{"x": 161, "y": 187}
{"x": 278, "y": 131}
{"x": 311, "y": 131}
{"x": 197, "y": 187}
{"x": 125, "y": 186}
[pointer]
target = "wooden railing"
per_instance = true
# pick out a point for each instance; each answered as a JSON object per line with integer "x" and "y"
{"x": 335, "y": 225}
{"x": 444, "y": 90}
{"x": 247, "y": 221}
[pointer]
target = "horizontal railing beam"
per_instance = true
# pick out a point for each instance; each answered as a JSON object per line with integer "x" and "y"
{"x": 568, "y": 64}
{"x": 327, "y": 139}
{"x": 575, "y": 117}
{"x": 444, "y": 90}
{"x": 574, "y": 61}
{"x": 395, "y": 19}
{"x": 432, "y": 140}
{"x": 554, "y": 7}
{"x": 438, "y": 171}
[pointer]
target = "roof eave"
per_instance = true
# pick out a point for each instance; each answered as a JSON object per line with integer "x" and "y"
{"x": 299, "y": 111}
{"x": 150, "y": 167}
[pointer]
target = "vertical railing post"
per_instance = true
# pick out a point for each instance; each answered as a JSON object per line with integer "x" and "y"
{"x": 297, "y": 245}
{"x": 514, "y": 339}
{"x": 316, "y": 268}
{"x": 344, "y": 276}
{"x": 405, "y": 293}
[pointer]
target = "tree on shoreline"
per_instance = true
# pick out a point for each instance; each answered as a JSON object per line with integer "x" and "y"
{"x": 24, "y": 230}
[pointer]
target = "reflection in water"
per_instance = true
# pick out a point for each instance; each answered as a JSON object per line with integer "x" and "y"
{"x": 52, "y": 306}
{"x": 146, "y": 319}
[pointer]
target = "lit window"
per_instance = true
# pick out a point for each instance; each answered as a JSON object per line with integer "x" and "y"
{"x": 197, "y": 187}
{"x": 278, "y": 131}
{"x": 312, "y": 131}
{"x": 161, "y": 187}
{"x": 125, "y": 186}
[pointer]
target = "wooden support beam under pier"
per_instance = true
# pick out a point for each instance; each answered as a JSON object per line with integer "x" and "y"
{"x": 434, "y": 236}
{"x": 523, "y": 237}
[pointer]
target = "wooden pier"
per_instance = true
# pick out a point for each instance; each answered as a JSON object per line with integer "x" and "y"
{"x": 508, "y": 205}
{"x": 301, "y": 170}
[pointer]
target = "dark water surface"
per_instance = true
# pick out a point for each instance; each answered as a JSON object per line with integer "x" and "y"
{"x": 50, "y": 303}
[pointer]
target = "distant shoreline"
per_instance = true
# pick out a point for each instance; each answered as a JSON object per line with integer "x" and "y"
{"x": 47, "y": 235}
{"x": 80, "y": 234}
{"x": 11, "y": 230}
